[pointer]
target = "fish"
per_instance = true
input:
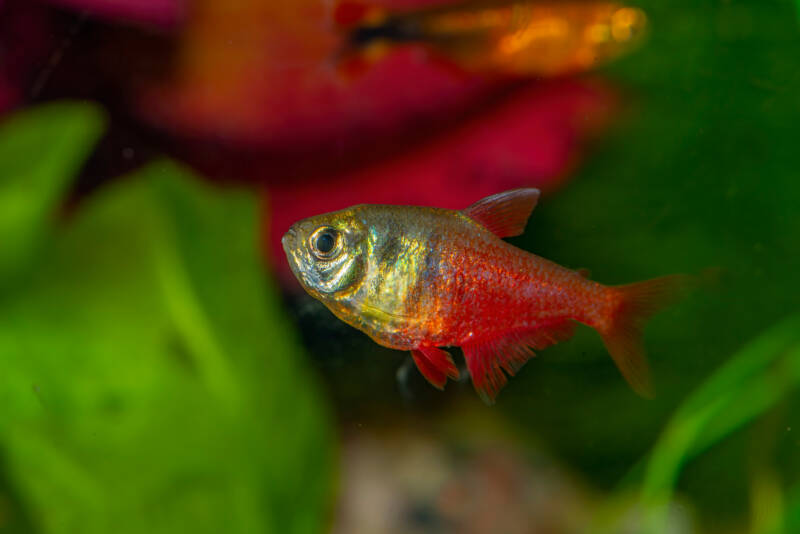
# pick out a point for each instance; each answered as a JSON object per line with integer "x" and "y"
{"x": 423, "y": 278}
{"x": 523, "y": 38}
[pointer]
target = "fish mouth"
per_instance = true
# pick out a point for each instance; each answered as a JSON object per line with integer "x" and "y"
{"x": 288, "y": 240}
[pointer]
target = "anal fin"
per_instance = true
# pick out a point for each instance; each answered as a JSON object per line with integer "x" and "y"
{"x": 436, "y": 365}
{"x": 491, "y": 361}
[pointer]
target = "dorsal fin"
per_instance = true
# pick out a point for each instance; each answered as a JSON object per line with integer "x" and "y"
{"x": 504, "y": 214}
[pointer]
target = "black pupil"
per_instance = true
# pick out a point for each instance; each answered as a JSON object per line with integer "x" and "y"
{"x": 325, "y": 242}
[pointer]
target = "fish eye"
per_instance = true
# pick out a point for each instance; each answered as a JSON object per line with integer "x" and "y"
{"x": 325, "y": 242}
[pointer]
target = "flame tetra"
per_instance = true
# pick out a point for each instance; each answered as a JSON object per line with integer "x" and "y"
{"x": 417, "y": 279}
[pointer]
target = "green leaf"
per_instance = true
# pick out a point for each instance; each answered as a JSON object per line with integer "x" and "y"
{"x": 753, "y": 381}
{"x": 150, "y": 383}
{"x": 40, "y": 151}
{"x": 792, "y": 518}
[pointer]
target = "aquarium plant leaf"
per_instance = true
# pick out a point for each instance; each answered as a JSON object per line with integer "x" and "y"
{"x": 40, "y": 151}
{"x": 150, "y": 381}
{"x": 792, "y": 517}
{"x": 752, "y": 381}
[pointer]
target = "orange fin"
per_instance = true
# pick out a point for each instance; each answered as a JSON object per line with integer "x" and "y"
{"x": 436, "y": 365}
{"x": 489, "y": 362}
{"x": 505, "y": 214}
{"x": 623, "y": 337}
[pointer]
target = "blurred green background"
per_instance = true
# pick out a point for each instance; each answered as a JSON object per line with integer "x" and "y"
{"x": 151, "y": 382}
{"x": 154, "y": 379}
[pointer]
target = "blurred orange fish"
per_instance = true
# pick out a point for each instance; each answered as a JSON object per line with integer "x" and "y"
{"x": 518, "y": 38}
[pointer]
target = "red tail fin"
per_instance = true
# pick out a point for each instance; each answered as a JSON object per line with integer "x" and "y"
{"x": 623, "y": 335}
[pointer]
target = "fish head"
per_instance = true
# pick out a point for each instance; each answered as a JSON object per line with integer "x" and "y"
{"x": 327, "y": 253}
